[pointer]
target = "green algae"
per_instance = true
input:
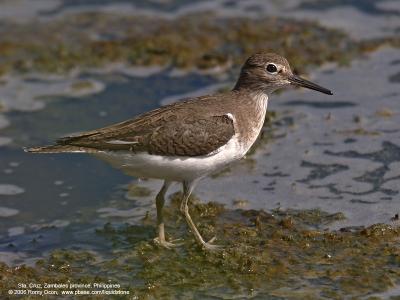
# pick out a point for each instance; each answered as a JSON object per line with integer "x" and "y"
{"x": 202, "y": 41}
{"x": 135, "y": 190}
{"x": 358, "y": 131}
{"x": 283, "y": 254}
{"x": 311, "y": 217}
{"x": 240, "y": 203}
{"x": 384, "y": 113}
{"x": 82, "y": 85}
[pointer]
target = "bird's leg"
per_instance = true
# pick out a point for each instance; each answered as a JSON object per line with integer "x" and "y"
{"x": 160, "y": 200}
{"x": 188, "y": 187}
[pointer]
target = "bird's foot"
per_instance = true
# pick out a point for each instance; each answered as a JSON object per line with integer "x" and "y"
{"x": 165, "y": 244}
{"x": 209, "y": 246}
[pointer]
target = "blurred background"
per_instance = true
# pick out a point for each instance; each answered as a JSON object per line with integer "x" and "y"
{"x": 73, "y": 65}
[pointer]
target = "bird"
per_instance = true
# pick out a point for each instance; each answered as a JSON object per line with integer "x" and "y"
{"x": 190, "y": 139}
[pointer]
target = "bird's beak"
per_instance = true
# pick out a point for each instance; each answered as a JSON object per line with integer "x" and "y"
{"x": 296, "y": 80}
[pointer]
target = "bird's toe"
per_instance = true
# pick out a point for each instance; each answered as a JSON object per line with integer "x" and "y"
{"x": 165, "y": 244}
{"x": 209, "y": 246}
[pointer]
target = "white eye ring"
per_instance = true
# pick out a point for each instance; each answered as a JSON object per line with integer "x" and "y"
{"x": 272, "y": 68}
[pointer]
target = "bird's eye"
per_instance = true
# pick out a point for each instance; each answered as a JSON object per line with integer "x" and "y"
{"x": 271, "y": 68}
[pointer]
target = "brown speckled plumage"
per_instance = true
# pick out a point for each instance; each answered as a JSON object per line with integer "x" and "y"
{"x": 190, "y": 139}
{"x": 188, "y": 128}
{"x": 175, "y": 130}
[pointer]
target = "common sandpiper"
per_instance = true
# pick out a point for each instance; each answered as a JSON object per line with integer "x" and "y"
{"x": 188, "y": 140}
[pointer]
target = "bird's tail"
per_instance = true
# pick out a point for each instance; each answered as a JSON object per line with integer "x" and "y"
{"x": 57, "y": 149}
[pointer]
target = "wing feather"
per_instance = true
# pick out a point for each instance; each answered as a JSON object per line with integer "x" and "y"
{"x": 161, "y": 132}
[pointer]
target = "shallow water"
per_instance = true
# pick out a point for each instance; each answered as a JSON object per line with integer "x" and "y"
{"x": 72, "y": 183}
{"x": 338, "y": 153}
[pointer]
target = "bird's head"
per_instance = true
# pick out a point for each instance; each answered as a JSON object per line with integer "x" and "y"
{"x": 268, "y": 72}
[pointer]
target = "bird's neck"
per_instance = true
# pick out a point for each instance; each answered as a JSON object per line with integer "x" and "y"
{"x": 246, "y": 83}
{"x": 256, "y": 95}
{"x": 254, "y": 92}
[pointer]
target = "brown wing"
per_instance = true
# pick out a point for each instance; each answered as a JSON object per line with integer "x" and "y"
{"x": 163, "y": 132}
{"x": 192, "y": 137}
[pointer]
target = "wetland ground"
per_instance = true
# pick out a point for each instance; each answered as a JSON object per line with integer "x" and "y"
{"x": 323, "y": 224}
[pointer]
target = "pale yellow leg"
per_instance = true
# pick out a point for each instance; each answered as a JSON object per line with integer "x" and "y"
{"x": 160, "y": 200}
{"x": 187, "y": 190}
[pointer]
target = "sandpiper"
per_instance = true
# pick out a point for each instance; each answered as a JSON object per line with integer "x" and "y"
{"x": 188, "y": 140}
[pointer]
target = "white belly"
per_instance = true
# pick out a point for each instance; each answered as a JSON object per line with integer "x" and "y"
{"x": 173, "y": 168}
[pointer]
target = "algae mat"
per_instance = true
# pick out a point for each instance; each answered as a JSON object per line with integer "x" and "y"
{"x": 278, "y": 255}
{"x": 198, "y": 41}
